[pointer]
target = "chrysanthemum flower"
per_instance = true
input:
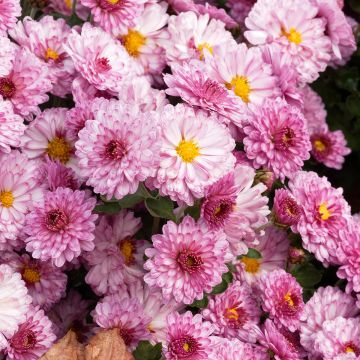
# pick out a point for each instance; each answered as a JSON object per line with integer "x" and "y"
{"x": 99, "y": 58}
{"x": 65, "y": 7}
{"x": 125, "y": 314}
{"x": 296, "y": 29}
{"x": 33, "y": 338}
{"x": 7, "y": 54}
{"x": 26, "y": 84}
{"x": 195, "y": 152}
{"x": 118, "y": 149}
{"x": 14, "y": 302}
{"x": 243, "y": 71}
{"x": 277, "y": 138}
{"x": 234, "y": 313}
{"x": 239, "y": 9}
{"x": 281, "y": 297}
{"x": 186, "y": 260}
{"x": 326, "y": 304}
{"x": 286, "y": 210}
{"x": 11, "y": 127}
{"x": 10, "y": 10}
{"x": 61, "y": 227}
{"x": 117, "y": 255}
{"x": 191, "y": 36}
{"x": 45, "y": 283}
{"x": 325, "y": 212}
{"x": 188, "y": 337}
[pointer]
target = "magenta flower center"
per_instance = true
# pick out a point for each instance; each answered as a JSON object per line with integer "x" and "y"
{"x": 102, "y": 65}
{"x": 7, "y": 88}
{"x": 115, "y": 150}
{"x": 211, "y": 91}
{"x": 56, "y": 220}
{"x": 216, "y": 212}
{"x": 184, "y": 347}
{"x": 189, "y": 261}
{"x": 289, "y": 304}
{"x": 321, "y": 146}
{"x": 236, "y": 317}
{"x": 284, "y": 138}
{"x": 350, "y": 347}
{"x": 291, "y": 210}
{"x": 24, "y": 340}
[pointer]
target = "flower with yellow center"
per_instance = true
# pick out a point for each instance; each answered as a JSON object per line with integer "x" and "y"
{"x": 68, "y": 4}
{"x": 292, "y": 35}
{"x": 127, "y": 249}
{"x": 59, "y": 149}
{"x": 232, "y": 314}
{"x": 114, "y": 2}
{"x": 201, "y": 48}
{"x": 319, "y": 145}
{"x": 133, "y": 42}
{"x": 51, "y": 54}
{"x": 349, "y": 349}
{"x": 289, "y": 300}
{"x": 324, "y": 212}
{"x": 186, "y": 347}
{"x": 240, "y": 86}
{"x": 187, "y": 150}
{"x": 6, "y": 198}
{"x": 30, "y": 275}
{"x": 251, "y": 265}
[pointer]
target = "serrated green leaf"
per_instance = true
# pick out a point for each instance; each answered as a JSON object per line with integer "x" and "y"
{"x": 307, "y": 275}
{"x": 162, "y": 207}
{"x": 200, "y": 304}
{"x": 146, "y": 351}
{"x": 108, "y": 208}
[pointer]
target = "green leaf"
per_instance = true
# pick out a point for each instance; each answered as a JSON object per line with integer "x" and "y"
{"x": 162, "y": 207}
{"x": 231, "y": 267}
{"x": 145, "y": 351}
{"x": 108, "y": 208}
{"x": 227, "y": 278}
{"x": 347, "y": 78}
{"x": 200, "y": 304}
{"x": 253, "y": 254}
{"x": 353, "y": 104}
{"x": 307, "y": 275}
{"x": 193, "y": 211}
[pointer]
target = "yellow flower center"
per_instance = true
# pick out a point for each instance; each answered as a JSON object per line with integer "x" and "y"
{"x": 292, "y": 35}
{"x": 201, "y": 48}
{"x": 113, "y": 2}
{"x": 186, "y": 347}
{"x": 187, "y": 150}
{"x": 319, "y": 145}
{"x": 289, "y": 300}
{"x": 51, "y": 54}
{"x": 240, "y": 86}
{"x": 232, "y": 314}
{"x": 59, "y": 149}
{"x": 133, "y": 41}
{"x": 324, "y": 212}
{"x": 30, "y": 275}
{"x": 127, "y": 248}
{"x": 349, "y": 349}
{"x": 6, "y": 198}
{"x": 68, "y": 4}
{"x": 251, "y": 265}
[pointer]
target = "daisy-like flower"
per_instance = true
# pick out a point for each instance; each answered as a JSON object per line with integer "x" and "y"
{"x": 326, "y": 304}
{"x": 191, "y": 36}
{"x": 281, "y": 297}
{"x": 186, "y": 260}
{"x": 46, "y": 136}
{"x": 277, "y": 138}
{"x": 188, "y": 337}
{"x": 61, "y": 227}
{"x": 118, "y": 149}
{"x": 234, "y": 313}
{"x": 117, "y": 255}
{"x": 124, "y": 313}
{"x": 11, "y": 127}
{"x": 339, "y": 339}
{"x": 295, "y": 28}
{"x": 100, "y": 58}
{"x": 10, "y": 10}
{"x": 33, "y": 338}
{"x": 193, "y": 85}
{"x": 26, "y": 83}
{"x": 286, "y": 210}
{"x": 14, "y": 302}
{"x": 7, "y": 54}
{"x": 325, "y": 212}
{"x": 45, "y": 283}
{"x": 273, "y": 247}
{"x": 195, "y": 152}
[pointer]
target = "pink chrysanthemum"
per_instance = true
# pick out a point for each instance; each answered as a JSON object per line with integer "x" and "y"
{"x": 339, "y": 339}
{"x": 10, "y": 10}
{"x": 286, "y": 210}
{"x": 239, "y": 9}
{"x": 118, "y": 149}
{"x": 45, "y": 283}
{"x": 7, "y": 54}
{"x": 14, "y": 302}
{"x": 11, "y": 127}
{"x": 117, "y": 256}
{"x": 99, "y": 58}
{"x": 188, "y": 337}
{"x": 125, "y": 314}
{"x": 193, "y": 85}
{"x": 26, "y": 84}
{"x": 295, "y": 28}
{"x": 195, "y": 152}
{"x": 65, "y": 7}
{"x": 326, "y": 304}
{"x": 61, "y": 227}
{"x": 329, "y": 148}
{"x": 281, "y": 297}
{"x": 325, "y": 212}
{"x": 45, "y": 39}
{"x": 192, "y": 36}
{"x": 243, "y": 71}
{"x": 33, "y": 338}
{"x": 234, "y": 313}
{"x": 187, "y": 260}
{"x": 277, "y": 138}
{"x": 273, "y": 247}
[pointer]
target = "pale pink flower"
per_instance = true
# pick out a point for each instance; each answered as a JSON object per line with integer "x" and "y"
{"x": 61, "y": 227}
{"x": 195, "y": 152}
{"x": 296, "y": 29}
{"x": 7, "y": 54}
{"x": 277, "y": 138}
{"x": 10, "y": 10}
{"x": 286, "y": 210}
{"x": 186, "y": 260}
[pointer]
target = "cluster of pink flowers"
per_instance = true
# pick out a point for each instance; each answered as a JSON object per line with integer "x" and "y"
{"x": 138, "y": 153}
